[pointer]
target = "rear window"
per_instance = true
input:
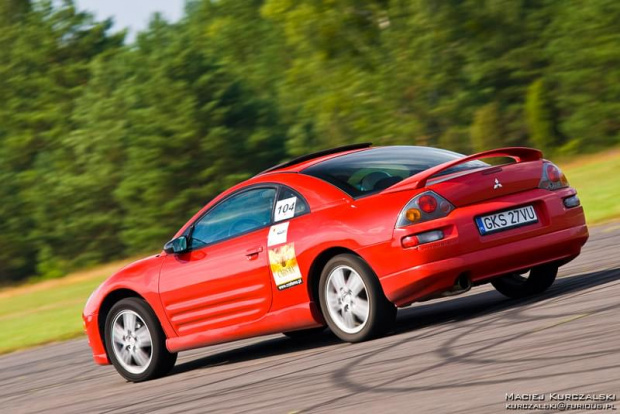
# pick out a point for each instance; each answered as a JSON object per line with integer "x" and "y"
{"x": 370, "y": 171}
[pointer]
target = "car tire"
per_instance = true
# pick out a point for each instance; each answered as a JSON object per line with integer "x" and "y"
{"x": 516, "y": 286}
{"x": 352, "y": 300}
{"x": 135, "y": 341}
{"x": 305, "y": 334}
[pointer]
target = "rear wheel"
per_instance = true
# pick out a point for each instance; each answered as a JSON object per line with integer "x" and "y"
{"x": 135, "y": 341}
{"x": 516, "y": 285}
{"x": 352, "y": 300}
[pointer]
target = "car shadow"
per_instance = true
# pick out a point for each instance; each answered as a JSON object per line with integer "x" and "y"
{"x": 268, "y": 347}
{"x": 415, "y": 317}
{"x": 490, "y": 301}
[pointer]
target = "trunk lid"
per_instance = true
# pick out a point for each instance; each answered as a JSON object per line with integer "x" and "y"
{"x": 478, "y": 185}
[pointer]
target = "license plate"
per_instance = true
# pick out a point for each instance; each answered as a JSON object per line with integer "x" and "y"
{"x": 506, "y": 220}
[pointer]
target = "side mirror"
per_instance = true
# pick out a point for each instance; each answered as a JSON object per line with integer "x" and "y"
{"x": 178, "y": 245}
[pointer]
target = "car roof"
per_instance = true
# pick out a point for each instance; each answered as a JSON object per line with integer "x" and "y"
{"x": 304, "y": 161}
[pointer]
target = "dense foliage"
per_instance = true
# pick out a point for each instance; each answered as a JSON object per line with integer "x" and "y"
{"x": 107, "y": 147}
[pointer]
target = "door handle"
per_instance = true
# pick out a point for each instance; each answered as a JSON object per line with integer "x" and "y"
{"x": 252, "y": 254}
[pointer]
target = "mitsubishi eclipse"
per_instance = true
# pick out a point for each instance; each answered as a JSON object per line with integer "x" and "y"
{"x": 339, "y": 238}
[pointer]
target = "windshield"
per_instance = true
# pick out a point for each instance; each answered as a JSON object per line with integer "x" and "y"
{"x": 366, "y": 172}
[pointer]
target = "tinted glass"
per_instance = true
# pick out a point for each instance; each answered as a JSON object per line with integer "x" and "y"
{"x": 370, "y": 171}
{"x": 238, "y": 214}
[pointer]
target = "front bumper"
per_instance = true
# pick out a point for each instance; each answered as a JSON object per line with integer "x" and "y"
{"x": 91, "y": 327}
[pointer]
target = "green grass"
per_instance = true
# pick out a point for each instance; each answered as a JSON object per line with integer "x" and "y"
{"x": 47, "y": 311}
{"x": 597, "y": 180}
{"x": 50, "y": 311}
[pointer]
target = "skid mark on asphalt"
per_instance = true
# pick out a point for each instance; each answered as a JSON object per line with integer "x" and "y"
{"x": 456, "y": 355}
{"x": 562, "y": 322}
{"x": 449, "y": 357}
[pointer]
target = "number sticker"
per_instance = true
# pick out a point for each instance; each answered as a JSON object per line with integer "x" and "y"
{"x": 277, "y": 234}
{"x": 285, "y": 209}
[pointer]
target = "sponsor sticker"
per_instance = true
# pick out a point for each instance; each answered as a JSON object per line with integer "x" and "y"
{"x": 284, "y": 267}
{"x": 277, "y": 234}
{"x": 285, "y": 209}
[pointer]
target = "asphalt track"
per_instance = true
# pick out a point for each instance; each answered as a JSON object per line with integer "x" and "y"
{"x": 455, "y": 355}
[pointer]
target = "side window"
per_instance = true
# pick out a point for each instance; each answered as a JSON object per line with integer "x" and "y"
{"x": 290, "y": 204}
{"x": 238, "y": 214}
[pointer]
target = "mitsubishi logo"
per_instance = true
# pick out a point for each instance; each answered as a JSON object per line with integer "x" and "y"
{"x": 497, "y": 184}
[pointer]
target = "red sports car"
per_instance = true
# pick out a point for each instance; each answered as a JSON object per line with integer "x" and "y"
{"x": 339, "y": 238}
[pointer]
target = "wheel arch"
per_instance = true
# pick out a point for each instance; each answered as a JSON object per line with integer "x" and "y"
{"x": 385, "y": 310}
{"x": 106, "y": 305}
{"x": 314, "y": 274}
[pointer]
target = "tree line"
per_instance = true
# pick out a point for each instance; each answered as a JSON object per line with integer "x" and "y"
{"x": 108, "y": 146}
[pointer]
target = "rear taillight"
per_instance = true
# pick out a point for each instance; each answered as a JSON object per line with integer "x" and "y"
{"x": 552, "y": 177}
{"x": 427, "y": 203}
{"x": 424, "y": 207}
{"x": 552, "y": 173}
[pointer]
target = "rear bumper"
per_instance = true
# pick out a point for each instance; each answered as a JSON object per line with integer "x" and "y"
{"x": 91, "y": 327}
{"x": 405, "y": 287}
{"x": 411, "y": 274}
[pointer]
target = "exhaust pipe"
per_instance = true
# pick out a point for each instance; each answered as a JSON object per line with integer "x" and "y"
{"x": 462, "y": 285}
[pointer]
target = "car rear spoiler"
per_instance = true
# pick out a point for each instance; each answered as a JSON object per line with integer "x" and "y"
{"x": 416, "y": 181}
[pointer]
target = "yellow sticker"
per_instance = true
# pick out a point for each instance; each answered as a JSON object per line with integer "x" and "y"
{"x": 284, "y": 267}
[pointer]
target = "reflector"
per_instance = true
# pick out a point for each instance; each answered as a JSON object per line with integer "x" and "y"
{"x": 572, "y": 201}
{"x": 409, "y": 241}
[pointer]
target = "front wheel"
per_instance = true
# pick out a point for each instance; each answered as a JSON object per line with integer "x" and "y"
{"x": 352, "y": 300}
{"x": 135, "y": 341}
{"x": 516, "y": 285}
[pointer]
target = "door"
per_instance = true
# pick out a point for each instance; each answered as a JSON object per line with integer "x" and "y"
{"x": 224, "y": 279}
